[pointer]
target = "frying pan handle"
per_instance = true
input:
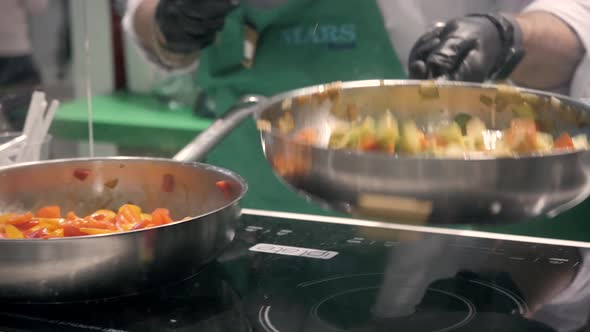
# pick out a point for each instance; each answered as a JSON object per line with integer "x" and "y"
{"x": 201, "y": 145}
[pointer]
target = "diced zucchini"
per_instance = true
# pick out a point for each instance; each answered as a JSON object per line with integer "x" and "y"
{"x": 544, "y": 142}
{"x": 339, "y": 137}
{"x": 411, "y": 138}
{"x": 387, "y": 131}
{"x": 580, "y": 142}
{"x": 475, "y": 130}
{"x": 524, "y": 111}
{"x": 450, "y": 133}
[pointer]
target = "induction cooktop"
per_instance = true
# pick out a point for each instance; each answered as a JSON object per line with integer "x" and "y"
{"x": 287, "y": 272}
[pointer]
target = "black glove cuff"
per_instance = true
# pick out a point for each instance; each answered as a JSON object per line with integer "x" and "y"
{"x": 167, "y": 19}
{"x": 512, "y": 44}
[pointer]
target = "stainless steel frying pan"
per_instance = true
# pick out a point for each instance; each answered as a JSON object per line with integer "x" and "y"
{"x": 415, "y": 189}
{"x": 102, "y": 266}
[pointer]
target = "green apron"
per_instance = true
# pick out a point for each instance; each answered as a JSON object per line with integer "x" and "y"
{"x": 302, "y": 43}
{"x": 308, "y": 42}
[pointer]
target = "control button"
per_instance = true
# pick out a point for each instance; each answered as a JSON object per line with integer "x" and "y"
{"x": 293, "y": 251}
{"x": 558, "y": 261}
{"x": 284, "y": 232}
{"x": 253, "y": 228}
{"x": 516, "y": 258}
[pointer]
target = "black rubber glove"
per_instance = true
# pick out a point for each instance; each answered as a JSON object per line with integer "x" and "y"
{"x": 190, "y": 25}
{"x": 474, "y": 48}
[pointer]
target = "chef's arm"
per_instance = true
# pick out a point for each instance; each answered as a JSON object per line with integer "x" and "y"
{"x": 553, "y": 51}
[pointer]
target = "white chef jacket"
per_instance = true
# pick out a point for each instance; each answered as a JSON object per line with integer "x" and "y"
{"x": 407, "y": 20}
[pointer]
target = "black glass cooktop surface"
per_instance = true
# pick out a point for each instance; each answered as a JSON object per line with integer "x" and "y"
{"x": 287, "y": 275}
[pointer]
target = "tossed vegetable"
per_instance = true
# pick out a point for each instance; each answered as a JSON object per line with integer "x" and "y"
{"x": 465, "y": 134}
{"x": 48, "y": 222}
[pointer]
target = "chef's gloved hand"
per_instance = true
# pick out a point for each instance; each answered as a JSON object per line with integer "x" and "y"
{"x": 473, "y": 48}
{"x": 190, "y": 25}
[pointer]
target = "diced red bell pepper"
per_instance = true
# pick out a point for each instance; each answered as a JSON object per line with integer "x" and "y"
{"x": 18, "y": 219}
{"x": 26, "y": 225}
{"x": 564, "y": 142}
{"x": 40, "y": 233}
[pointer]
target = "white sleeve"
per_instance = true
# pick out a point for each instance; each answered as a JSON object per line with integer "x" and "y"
{"x": 575, "y": 13}
{"x": 130, "y": 31}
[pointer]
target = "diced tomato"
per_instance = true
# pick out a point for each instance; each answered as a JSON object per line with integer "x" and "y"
{"x": 522, "y": 135}
{"x": 225, "y": 188}
{"x": 564, "y": 142}
{"x": 161, "y": 217}
{"x": 49, "y": 212}
{"x": 168, "y": 183}
{"x": 71, "y": 216}
{"x": 81, "y": 173}
{"x": 306, "y": 136}
{"x": 18, "y": 219}
{"x": 369, "y": 144}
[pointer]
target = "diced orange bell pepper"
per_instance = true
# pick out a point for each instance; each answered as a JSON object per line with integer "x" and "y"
{"x": 5, "y": 217}
{"x": 128, "y": 216}
{"x": 90, "y": 222}
{"x": 49, "y": 212}
{"x": 13, "y": 232}
{"x": 51, "y": 223}
{"x": 564, "y": 142}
